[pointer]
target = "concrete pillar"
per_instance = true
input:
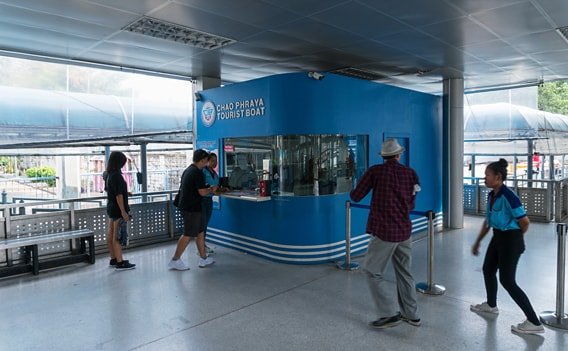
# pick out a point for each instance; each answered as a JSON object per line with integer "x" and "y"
{"x": 453, "y": 153}
{"x": 69, "y": 182}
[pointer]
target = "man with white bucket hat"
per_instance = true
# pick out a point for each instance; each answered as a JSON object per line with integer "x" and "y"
{"x": 394, "y": 188}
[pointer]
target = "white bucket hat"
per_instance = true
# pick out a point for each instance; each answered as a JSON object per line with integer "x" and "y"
{"x": 391, "y": 147}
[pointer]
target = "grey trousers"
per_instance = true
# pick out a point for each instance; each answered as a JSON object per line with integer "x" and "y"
{"x": 379, "y": 253}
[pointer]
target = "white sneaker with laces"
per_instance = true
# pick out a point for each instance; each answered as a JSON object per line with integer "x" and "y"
{"x": 527, "y": 328}
{"x": 178, "y": 265}
{"x": 484, "y": 307}
{"x": 204, "y": 262}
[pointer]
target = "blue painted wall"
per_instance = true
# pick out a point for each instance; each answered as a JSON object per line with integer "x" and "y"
{"x": 280, "y": 229}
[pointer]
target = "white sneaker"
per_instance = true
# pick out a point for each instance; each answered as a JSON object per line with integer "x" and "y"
{"x": 204, "y": 262}
{"x": 484, "y": 307}
{"x": 178, "y": 265}
{"x": 527, "y": 328}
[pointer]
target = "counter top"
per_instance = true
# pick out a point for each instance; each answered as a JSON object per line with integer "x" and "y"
{"x": 246, "y": 195}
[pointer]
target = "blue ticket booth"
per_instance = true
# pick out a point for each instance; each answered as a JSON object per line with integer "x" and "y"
{"x": 291, "y": 148}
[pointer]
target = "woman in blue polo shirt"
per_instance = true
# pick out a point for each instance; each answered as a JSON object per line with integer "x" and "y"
{"x": 211, "y": 178}
{"x": 506, "y": 215}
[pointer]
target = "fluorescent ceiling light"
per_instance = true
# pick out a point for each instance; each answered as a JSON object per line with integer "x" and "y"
{"x": 359, "y": 73}
{"x": 174, "y": 32}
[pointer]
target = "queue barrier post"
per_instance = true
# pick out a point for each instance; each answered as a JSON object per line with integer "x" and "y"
{"x": 429, "y": 287}
{"x": 558, "y": 319}
{"x": 348, "y": 264}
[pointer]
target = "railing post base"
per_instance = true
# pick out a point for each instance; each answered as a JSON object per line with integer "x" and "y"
{"x": 351, "y": 266}
{"x": 551, "y": 319}
{"x": 434, "y": 289}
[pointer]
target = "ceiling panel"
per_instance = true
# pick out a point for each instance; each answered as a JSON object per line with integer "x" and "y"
{"x": 306, "y": 7}
{"x": 205, "y": 21}
{"x": 317, "y": 33}
{"x": 556, "y": 10}
{"x": 253, "y": 12}
{"x": 538, "y": 42}
{"x": 140, "y": 7}
{"x": 282, "y": 42}
{"x": 54, "y": 23}
{"x": 476, "y": 6}
{"x": 369, "y": 23}
{"x": 491, "y": 41}
{"x": 514, "y": 20}
{"x": 423, "y": 12}
{"x": 459, "y": 32}
{"x": 142, "y": 41}
{"x": 78, "y": 10}
{"x": 551, "y": 58}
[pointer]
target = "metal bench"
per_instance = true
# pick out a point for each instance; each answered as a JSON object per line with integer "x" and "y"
{"x": 31, "y": 242}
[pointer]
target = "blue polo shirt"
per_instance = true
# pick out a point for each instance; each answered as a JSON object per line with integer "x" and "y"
{"x": 507, "y": 209}
{"x": 211, "y": 178}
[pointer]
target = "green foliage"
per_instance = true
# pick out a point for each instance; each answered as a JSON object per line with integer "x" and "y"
{"x": 553, "y": 97}
{"x": 6, "y": 164}
{"x": 42, "y": 172}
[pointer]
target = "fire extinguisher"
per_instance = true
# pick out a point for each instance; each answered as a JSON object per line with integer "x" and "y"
{"x": 263, "y": 185}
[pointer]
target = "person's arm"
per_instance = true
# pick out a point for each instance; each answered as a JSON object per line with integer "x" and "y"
{"x": 120, "y": 202}
{"x": 524, "y": 224}
{"x": 484, "y": 230}
{"x": 208, "y": 190}
{"x": 363, "y": 187}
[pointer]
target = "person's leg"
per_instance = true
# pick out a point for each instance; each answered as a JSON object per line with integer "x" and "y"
{"x": 109, "y": 240}
{"x": 207, "y": 212}
{"x": 378, "y": 255}
{"x": 181, "y": 246}
{"x": 490, "y": 265}
{"x": 114, "y": 243}
{"x": 405, "y": 285}
{"x": 200, "y": 244}
{"x": 509, "y": 255}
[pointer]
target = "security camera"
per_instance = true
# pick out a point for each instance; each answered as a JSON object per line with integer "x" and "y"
{"x": 316, "y": 75}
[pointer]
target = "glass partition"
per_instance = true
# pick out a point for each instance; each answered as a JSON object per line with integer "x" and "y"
{"x": 298, "y": 165}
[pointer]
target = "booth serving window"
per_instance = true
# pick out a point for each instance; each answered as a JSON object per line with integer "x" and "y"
{"x": 298, "y": 165}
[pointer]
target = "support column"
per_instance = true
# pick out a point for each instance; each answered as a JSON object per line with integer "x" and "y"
{"x": 453, "y": 153}
{"x": 144, "y": 169}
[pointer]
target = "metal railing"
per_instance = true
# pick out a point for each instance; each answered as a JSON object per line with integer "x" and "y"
{"x": 155, "y": 220}
{"x": 557, "y": 318}
{"x": 544, "y": 200}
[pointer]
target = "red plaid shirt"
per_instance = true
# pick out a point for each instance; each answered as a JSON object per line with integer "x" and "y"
{"x": 392, "y": 201}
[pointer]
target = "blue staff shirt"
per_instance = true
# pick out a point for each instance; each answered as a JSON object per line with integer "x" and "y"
{"x": 506, "y": 210}
{"x": 211, "y": 178}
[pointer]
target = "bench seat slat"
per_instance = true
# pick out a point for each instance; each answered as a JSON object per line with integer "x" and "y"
{"x": 43, "y": 238}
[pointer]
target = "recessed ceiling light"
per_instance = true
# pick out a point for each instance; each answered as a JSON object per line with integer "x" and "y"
{"x": 563, "y": 31}
{"x": 174, "y": 32}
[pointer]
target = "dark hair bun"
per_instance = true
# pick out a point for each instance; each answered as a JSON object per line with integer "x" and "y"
{"x": 503, "y": 163}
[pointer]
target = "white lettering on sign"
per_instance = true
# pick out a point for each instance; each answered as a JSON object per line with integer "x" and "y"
{"x": 243, "y": 108}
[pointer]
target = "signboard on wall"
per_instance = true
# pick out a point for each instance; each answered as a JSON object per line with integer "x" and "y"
{"x": 247, "y": 108}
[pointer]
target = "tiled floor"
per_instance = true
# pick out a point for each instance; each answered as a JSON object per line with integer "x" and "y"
{"x": 244, "y": 302}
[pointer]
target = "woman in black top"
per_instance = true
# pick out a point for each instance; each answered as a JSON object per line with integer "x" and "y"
{"x": 117, "y": 208}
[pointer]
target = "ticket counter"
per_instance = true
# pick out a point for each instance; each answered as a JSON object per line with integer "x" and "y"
{"x": 291, "y": 148}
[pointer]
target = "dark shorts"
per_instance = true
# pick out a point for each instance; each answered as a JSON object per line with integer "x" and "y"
{"x": 192, "y": 223}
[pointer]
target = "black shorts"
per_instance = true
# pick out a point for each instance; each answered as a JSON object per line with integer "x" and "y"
{"x": 192, "y": 223}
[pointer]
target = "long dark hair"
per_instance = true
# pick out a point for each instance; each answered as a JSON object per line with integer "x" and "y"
{"x": 499, "y": 167}
{"x": 116, "y": 161}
